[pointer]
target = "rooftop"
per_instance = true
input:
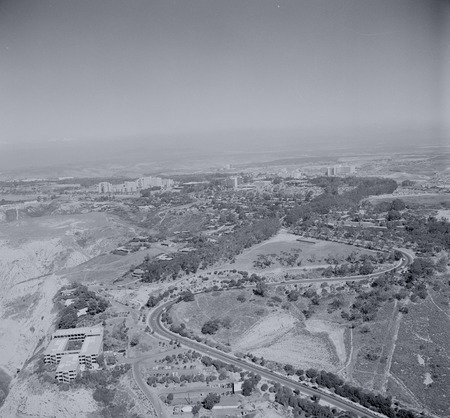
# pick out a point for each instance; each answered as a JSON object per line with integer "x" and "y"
{"x": 68, "y": 363}
{"x": 57, "y": 345}
{"x": 88, "y": 331}
{"x": 92, "y": 345}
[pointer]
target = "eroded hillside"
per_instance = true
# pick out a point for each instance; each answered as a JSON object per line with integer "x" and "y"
{"x": 34, "y": 255}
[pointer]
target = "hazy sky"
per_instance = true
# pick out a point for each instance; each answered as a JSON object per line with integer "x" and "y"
{"x": 107, "y": 68}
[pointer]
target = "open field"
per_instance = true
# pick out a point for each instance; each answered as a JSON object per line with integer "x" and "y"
{"x": 260, "y": 326}
{"x": 312, "y": 252}
{"x": 420, "y": 371}
{"x": 423, "y": 200}
{"x": 443, "y": 213}
{"x": 372, "y": 347}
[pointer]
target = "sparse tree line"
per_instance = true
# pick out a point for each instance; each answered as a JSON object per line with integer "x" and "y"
{"x": 362, "y": 265}
{"x": 287, "y": 397}
{"x": 285, "y": 258}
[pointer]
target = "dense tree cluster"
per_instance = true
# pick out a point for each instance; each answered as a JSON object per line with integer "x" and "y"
{"x": 354, "y": 265}
{"x": 218, "y": 364}
{"x": 249, "y": 384}
{"x": 395, "y": 205}
{"x": 153, "y": 300}
{"x": 210, "y": 400}
{"x": 331, "y": 199}
{"x": 213, "y": 325}
{"x": 158, "y": 199}
{"x": 183, "y": 378}
{"x": 431, "y": 235}
{"x": 208, "y": 253}
{"x": 421, "y": 268}
{"x": 261, "y": 288}
{"x": 81, "y": 298}
{"x": 300, "y": 406}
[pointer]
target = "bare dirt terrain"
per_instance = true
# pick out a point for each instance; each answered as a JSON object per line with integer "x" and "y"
{"x": 269, "y": 331}
{"x": 35, "y": 253}
{"x": 30, "y": 399}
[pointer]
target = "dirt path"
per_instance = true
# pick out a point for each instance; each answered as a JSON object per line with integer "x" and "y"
{"x": 437, "y": 306}
{"x": 345, "y": 370}
{"x": 414, "y": 400}
{"x": 397, "y": 316}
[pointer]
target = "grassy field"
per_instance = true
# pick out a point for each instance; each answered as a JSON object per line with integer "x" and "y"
{"x": 421, "y": 363}
{"x": 311, "y": 254}
{"x": 268, "y": 327}
{"x": 427, "y": 201}
{"x": 372, "y": 347}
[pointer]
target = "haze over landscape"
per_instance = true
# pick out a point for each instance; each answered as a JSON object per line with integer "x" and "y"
{"x": 223, "y": 208}
{"x": 177, "y": 71}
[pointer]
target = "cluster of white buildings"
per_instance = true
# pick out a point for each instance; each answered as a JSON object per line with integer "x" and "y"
{"x": 233, "y": 182}
{"x": 135, "y": 186}
{"x": 70, "y": 361}
{"x": 340, "y": 170}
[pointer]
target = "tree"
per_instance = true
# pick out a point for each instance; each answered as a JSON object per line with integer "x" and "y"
{"x": 69, "y": 318}
{"x": 261, "y": 289}
{"x": 247, "y": 387}
{"x": 104, "y": 395}
{"x": 134, "y": 340}
{"x": 196, "y": 408}
{"x": 210, "y": 400}
{"x": 188, "y": 296}
{"x": 241, "y": 298}
{"x": 312, "y": 373}
{"x": 398, "y": 204}
{"x": 169, "y": 397}
{"x": 366, "y": 268}
{"x": 211, "y": 327}
{"x": 101, "y": 360}
{"x": 393, "y": 215}
{"x": 293, "y": 296}
{"x": 441, "y": 264}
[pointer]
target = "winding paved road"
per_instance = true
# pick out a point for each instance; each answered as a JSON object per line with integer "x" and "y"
{"x": 154, "y": 321}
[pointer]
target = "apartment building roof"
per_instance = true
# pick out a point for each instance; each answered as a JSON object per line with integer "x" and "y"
{"x": 88, "y": 331}
{"x": 91, "y": 345}
{"x": 69, "y": 362}
{"x": 57, "y": 345}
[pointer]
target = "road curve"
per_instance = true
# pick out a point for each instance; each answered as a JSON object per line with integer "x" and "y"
{"x": 154, "y": 321}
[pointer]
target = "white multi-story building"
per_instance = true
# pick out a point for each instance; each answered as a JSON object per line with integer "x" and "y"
{"x": 68, "y": 368}
{"x": 58, "y": 351}
{"x": 141, "y": 183}
{"x": 105, "y": 187}
{"x": 340, "y": 170}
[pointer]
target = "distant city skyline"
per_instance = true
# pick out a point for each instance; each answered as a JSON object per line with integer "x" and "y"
{"x": 84, "y": 70}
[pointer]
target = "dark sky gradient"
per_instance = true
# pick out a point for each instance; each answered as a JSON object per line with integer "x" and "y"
{"x": 107, "y": 68}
